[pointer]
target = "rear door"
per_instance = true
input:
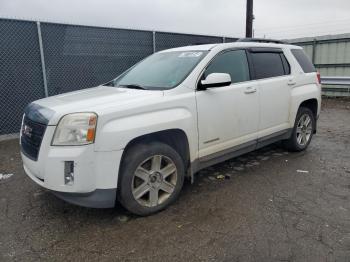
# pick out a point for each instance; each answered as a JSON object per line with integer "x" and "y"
{"x": 272, "y": 71}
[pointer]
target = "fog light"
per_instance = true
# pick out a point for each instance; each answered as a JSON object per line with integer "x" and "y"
{"x": 69, "y": 173}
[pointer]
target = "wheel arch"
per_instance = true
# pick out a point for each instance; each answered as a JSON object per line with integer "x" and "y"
{"x": 312, "y": 104}
{"x": 175, "y": 138}
{"x": 308, "y": 96}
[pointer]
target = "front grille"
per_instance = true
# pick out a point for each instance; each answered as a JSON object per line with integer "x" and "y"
{"x": 31, "y": 137}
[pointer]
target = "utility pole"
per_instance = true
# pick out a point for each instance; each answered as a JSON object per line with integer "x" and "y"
{"x": 249, "y": 19}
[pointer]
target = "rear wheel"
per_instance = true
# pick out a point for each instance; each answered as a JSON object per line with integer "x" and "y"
{"x": 303, "y": 130}
{"x": 151, "y": 178}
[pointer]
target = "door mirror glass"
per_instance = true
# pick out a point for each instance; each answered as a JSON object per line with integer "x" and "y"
{"x": 215, "y": 80}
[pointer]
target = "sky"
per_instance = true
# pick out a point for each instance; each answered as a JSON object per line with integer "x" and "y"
{"x": 283, "y": 19}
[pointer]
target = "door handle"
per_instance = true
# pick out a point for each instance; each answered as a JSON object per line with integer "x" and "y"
{"x": 250, "y": 90}
{"x": 291, "y": 82}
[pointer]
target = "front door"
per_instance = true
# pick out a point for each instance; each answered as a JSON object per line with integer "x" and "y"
{"x": 228, "y": 116}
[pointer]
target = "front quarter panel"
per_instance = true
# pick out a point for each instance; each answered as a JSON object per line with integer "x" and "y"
{"x": 172, "y": 111}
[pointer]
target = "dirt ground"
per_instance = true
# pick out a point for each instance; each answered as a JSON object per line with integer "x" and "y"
{"x": 271, "y": 206}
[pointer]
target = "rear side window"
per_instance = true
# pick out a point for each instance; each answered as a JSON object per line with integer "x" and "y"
{"x": 285, "y": 64}
{"x": 269, "y": 64}
{"x": 303, "y": 60}
{"x": 234, "y": 63}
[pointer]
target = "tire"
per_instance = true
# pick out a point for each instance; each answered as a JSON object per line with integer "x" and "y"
{"x": 145, "y": 186}
{"x": 298, "y": 142}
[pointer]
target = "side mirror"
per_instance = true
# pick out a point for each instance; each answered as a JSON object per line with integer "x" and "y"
{"x": 215, "y": 80}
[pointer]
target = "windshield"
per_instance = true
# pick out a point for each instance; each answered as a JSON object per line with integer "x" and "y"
{"x": 160, "y": 71}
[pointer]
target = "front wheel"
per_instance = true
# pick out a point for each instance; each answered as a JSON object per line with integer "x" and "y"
{"x": 303, "y": 130}
{"x": 151, "y": 178}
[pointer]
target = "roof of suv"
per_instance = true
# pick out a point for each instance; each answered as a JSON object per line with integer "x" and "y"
{"x": 208, "y": 47}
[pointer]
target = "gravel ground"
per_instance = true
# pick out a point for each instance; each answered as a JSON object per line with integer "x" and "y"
{"x": 261, "y": 209}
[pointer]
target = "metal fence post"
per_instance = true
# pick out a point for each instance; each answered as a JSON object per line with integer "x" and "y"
{"x": 42, "y": 59}
{"x": 224, "y": 39}
{"x": 314, "y": 45}
{"x": 154, "y": 41}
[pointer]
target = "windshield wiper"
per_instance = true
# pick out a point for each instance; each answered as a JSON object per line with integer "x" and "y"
{"x": 133, "y": 86}
{"x": 109, "y": 84}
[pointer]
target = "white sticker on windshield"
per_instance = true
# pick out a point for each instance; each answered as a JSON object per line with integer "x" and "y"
{"x": 190, "y": 54}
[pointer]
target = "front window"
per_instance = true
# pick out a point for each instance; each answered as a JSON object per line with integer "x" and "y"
{"x": 160, "y": 71}
{"x": 233, "y": 62}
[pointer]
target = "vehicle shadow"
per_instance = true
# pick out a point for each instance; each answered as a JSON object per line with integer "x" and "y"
{"x": 49, "y": 205}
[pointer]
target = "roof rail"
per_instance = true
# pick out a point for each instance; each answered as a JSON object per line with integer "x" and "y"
{"x": 199, "y": 43}
{"x": 261, "y": 40}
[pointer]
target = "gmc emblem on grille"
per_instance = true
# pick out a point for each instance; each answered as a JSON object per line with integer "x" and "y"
{"x": 27, "y": 131}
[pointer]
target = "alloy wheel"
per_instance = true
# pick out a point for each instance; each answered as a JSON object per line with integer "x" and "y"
{"x": 304, "y": 130}
{"x": 154, "y": 181}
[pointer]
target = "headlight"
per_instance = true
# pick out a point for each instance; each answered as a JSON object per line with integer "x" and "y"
{"x": 75, "y": 129}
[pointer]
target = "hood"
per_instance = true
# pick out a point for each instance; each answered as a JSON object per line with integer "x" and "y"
{"x": 97, "y": 99}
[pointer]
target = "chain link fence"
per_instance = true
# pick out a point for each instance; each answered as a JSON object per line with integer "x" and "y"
{"x": 77, "y": 57}
{"x": 39, "y": 59}
{"x": 21, "y": 78}
{"x": 171, "y": 40}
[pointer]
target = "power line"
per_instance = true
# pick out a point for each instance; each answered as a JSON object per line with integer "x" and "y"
{"x": 306, "y": 30}
{"x": 307, "y": 25}
{"x": 295, "y": 27}
{"x": 287, "y": 35}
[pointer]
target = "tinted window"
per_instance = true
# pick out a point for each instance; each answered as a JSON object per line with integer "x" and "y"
{"x": 232, "y": 62}
{"x": 267, "y": 65}
{"x": 303, "y": 60}
{"x": 285, "y": 64}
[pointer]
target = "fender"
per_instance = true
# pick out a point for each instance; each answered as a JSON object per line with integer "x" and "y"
{"x": 116, "y": 133}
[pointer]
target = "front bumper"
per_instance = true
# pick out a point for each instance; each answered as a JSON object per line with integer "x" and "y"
{"x": 95, "y": 173}
{"x": 100, "y": 198}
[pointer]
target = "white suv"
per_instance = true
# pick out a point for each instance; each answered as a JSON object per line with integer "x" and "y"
{"x": 137, "y": 137}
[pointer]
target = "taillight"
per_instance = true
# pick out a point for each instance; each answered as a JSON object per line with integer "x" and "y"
{"x": 319, "y": 77}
